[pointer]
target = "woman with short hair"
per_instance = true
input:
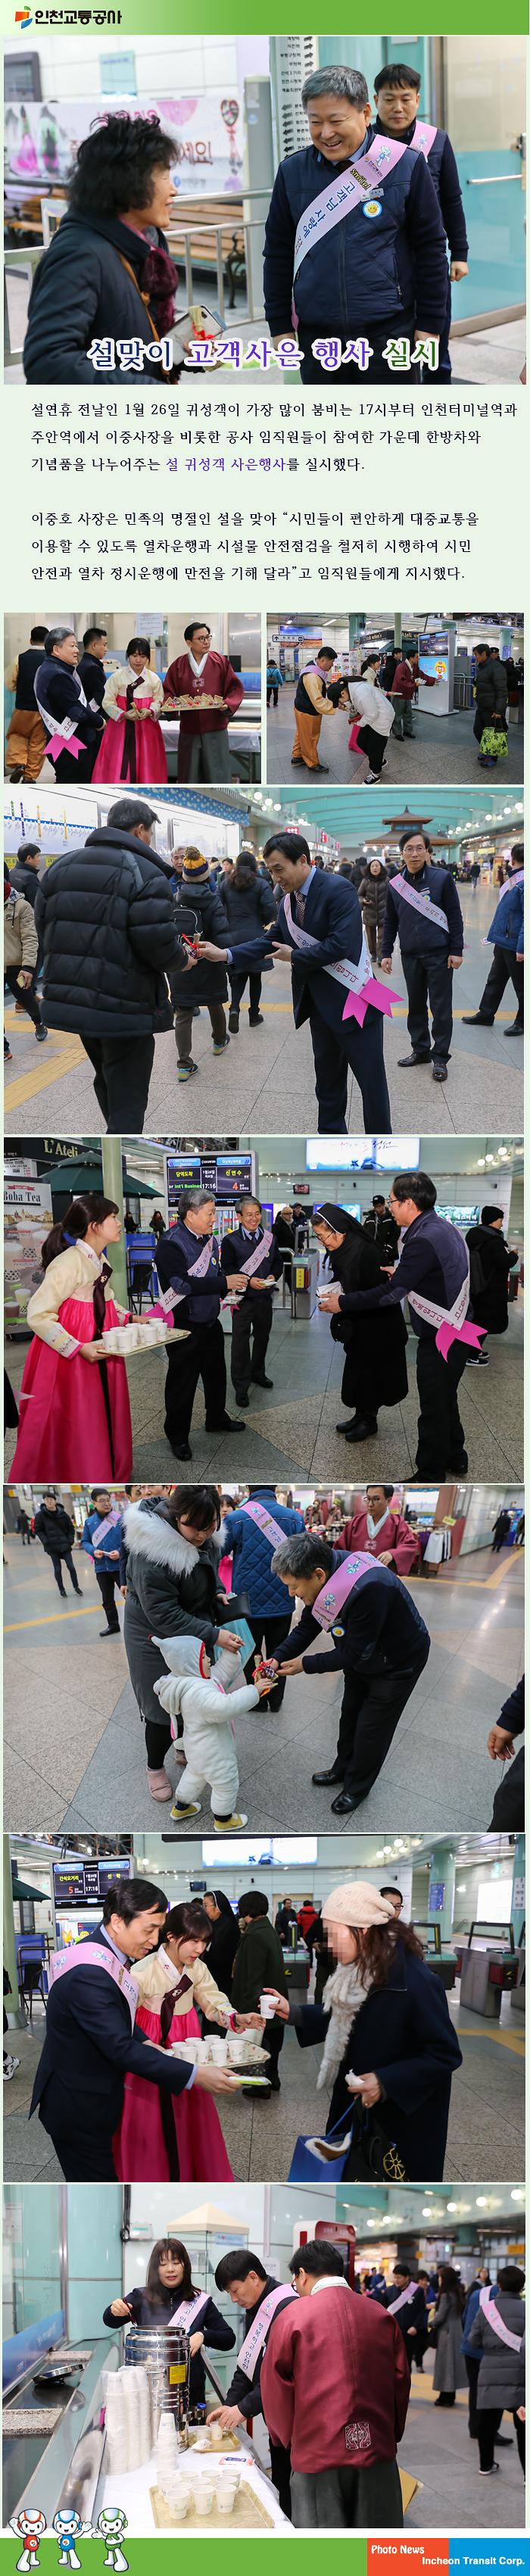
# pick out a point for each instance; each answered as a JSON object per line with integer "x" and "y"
{"x": 173, "y": 1552}
{"x": 107, "y": 274}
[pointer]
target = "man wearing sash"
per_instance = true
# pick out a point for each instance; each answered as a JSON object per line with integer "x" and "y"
{"x": 256, "y": 1530}
{"x": 406, "y": 2300}
{"x": 433, "y": 1272}
{"x": 193, "y": 1284}
{"x": 354, "y": 239}
{"x": 73, "y": 731}
{"x": 91, "y": 2042}
{"x": 496, "y": 2338}
{"x": 262, "y": 2299}
{"x": 250, "y": 1252}
{"x": 336, "y": 2385}
{"x": 377, "y": 1640}
{"x": 318, "y": 931}
{"x": 423, "y": 910}
{"x": 397, "y": 98}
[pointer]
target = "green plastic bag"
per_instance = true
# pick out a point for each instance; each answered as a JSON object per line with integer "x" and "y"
{"x": 494, "y": 744}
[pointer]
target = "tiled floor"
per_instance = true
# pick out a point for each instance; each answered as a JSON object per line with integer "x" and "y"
{"x": 265, "y": 1081}
{"x": 444, "y": 751}
{"x": 73, "y": 1743}
{"x": 291, "y": 1430}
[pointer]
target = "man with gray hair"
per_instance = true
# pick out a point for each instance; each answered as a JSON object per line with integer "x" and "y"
{"x": 73, "y": 730}
{"x": 376, "y": 1639}
{"x": 361, "y": 262}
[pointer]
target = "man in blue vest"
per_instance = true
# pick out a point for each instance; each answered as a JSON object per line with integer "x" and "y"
{"x": 91, "y": 2042}
{"x": 373, "y": 267}
{"x": 397, "y": 98}
{"x": 433, "y": 1268}
{"x": 325, "y": 909}
{"x": 252, "y": 1547}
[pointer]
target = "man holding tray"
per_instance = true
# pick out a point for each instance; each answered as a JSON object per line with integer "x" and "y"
{"x": 206, "y": 692}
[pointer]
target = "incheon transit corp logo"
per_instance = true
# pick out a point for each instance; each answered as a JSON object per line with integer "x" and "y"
{"x": 23, "y": 18}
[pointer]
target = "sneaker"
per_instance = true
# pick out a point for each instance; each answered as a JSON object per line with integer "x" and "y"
{"x": 229, "y": 1824}
{"x": 371, "y": 778}
{"x": 159, "y": 1786}
{"x": 221, "y": 1050}
{"x": 179, "y": 1810}
{"x": 10, "y": 2068}
{"x": 233, "y": 1023}
{"x": 494, "y": 2472}
{"x": 184, "y": 1071}
{"x": 41, "y": 1033}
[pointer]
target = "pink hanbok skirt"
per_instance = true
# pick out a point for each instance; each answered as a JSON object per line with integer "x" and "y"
{"x": 138, "y": 2146}
{"x": 144, "y": 751}
{"x": 63, "y": 1430}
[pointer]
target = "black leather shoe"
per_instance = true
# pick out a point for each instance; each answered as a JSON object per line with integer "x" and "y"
{"x": 255, "y": 1019}
{"x": 179, "y": 1448}
{"x": 439, "y": 1069}
{"x": 261, "y": 1380}
{"x": 359, "y": 1430}
{"x": 274, "y": 2081}
{"x": 242, "y": 1400}
{"x": 343, "y": 1427}
{"x": 405, "y": 1060}
{"x": 225, "y": 1425}
{"x": 327, "y": 1779}
{"x": 475, "y": 1020}
{"x": 345, "y": 1806}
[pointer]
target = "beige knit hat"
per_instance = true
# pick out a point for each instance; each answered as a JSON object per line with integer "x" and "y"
{"x": 358, "y": 1904}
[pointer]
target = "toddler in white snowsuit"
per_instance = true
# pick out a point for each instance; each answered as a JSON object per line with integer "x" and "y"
{"x": 207, "y": 1700}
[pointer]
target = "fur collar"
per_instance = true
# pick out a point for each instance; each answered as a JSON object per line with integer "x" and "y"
{"x": 150, "y": 1535}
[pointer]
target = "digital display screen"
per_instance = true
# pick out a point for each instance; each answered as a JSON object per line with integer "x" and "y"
{"x": 362, "y": 1153}
{"x": 435, "y": 665}
{"x": 87, "y": 1882}
{"x": 227, "y": 1176}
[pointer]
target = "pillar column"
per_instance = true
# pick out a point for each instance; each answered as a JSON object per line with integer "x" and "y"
{"x": 113, "y": 1189}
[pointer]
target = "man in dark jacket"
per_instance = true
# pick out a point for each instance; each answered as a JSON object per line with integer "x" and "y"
{"x": 91, "y": 673}
{"x": 381, "y": 1228}
{"x": 423, "y": 911}
{"x": 326, "y": 910}
{"x": 259, "y": 1963}
{"x": 374, "y": 268}
{"x": 491, "y": 691}
{"x": 190, "y": 1246}
{"x": 25, "y": 874}
{"x": 506, "y": 937}
{"x": 490, "y": 1263}
{"x": 251, "y": 2288}
{"x": 378, "y": 1641}
{"x": 91, "y": 2042}
{"x": 397, "y": 97}
{"x": 107, "y": 928}
{"x": 254, "y": 1533}
{"x": 26, "y": 738}
{"x": 56, "y": 1531}
{"x": 433, "y": 1268}
{"x": 252, "y": 1316}
{"x": 406, "y": 2299}
{"x": 203, "y": 917}
{"x": 107, "y": 275}
{"x": 102, "y": 1542}
{"x": 508, "y": 1803}
{"x": 71, "y": 729}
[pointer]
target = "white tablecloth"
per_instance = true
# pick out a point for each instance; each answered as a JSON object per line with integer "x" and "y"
{"x": 131, "y": 2492}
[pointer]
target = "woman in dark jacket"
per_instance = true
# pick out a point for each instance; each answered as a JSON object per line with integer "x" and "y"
{"x": 172, "y": 1589}
{"x": 200, "y": 907}
{"x": 169, "y": 2289}
{"x": 449, "y": 2367}
{"x": 250, "y": 904}
{"x": 501, "y": 2378}
{"x": 385, "y": 2017}
{"x": 107, "y": 274}
{"x": 372, "y": 898}
{"x": 490, "y": 1261}
{"x": 222, "y": 1945}
{"x": 375, "y": 1367}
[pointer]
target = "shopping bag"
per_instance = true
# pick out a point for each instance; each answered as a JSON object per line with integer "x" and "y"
{"x": 315, "y": 2157}
{"x": 494, "y": 744}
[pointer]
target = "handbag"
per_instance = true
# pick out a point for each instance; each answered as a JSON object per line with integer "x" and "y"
{"x": 373, "y": 2157}
{"x": 494, "y": 744}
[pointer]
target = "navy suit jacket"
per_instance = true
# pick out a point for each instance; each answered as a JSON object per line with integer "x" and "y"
{"x": 90, "y": 2047}
{"x": 333, "y": 918}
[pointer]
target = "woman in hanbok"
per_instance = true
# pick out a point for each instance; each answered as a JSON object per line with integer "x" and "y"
{"x": 133, "y": 744}
{"x": 172, "y": 1981}
{"x": 172, "y": 2298}
{"x": 75, "y": 1420}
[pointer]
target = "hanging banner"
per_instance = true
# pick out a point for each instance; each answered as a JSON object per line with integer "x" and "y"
{"x": 28, "y": 1215}
{"x": 42, "y": 139}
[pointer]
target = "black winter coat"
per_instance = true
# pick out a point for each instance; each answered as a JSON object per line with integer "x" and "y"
{"x": 404, "y": 2035}
{"x": 208, "y": 983}
{"x": 248, "y": 909}
{"x": 26, "y": 881}
{"x": 492, "y": 690}
{"x": 372, "y": 896}
{"x": 82, "y": 292}
{"x": 56, "y": 1530}
{"x": 106, "y": 922}
{"x": 490, "y": 1257}
{"x": 375, "y": 1367}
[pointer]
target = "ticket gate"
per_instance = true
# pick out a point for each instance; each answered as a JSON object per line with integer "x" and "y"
{"x": 489, "y": 1969}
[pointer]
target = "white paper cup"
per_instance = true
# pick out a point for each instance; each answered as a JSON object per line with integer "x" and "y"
{"x": 267, "y": 2007}
{"x": 218, "y": 2050}
{"x": 226, "y": 2499}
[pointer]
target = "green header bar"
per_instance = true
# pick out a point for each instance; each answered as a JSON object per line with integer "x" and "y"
{"x": 306, "y": 17}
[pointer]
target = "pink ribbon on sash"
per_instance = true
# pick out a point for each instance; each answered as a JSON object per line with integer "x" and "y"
{"x": 65, "y": 742}
{"x": 361, "y": 984}
{"x": 449, "y": 1319}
